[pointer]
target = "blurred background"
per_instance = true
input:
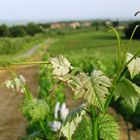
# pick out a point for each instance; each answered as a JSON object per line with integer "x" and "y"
{"x": 33, "y": 30}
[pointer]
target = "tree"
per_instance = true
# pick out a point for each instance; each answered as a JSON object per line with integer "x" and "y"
{"x": 128, "y": 31}
{"x": 4, "y": 30}
{"x": 32, "y": 29}
{"x": 17, "y": 31}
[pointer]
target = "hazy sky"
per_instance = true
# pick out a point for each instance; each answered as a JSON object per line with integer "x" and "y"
{"x": 67, "y": 9}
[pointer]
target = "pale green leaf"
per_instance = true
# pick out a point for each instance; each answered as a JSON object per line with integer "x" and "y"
{"x": 94, "y": 89}
{"x": 60, "y": 65}
{"x": 134, "y": 65}
{"x": 72, "y": 121}
{"x": 35, "y": 109}
{"x": 107, "y": 127}
{"x": 129, "y": 91}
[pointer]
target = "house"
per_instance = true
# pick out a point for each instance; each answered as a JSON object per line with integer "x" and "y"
{"x": 75, "y": 25}
{"x": 86, "y": 24}
{"x": 56, "y": 26}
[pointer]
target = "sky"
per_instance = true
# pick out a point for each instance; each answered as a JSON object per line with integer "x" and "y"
{"x": 68, "y": 9}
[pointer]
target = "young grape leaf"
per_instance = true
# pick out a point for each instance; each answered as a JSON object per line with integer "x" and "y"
{"x": 35, "y": 109}
{"x": 93, "y": 89}
{"x": 129, "y": 91}
{"x": 133, "y": 66}
{"x": 72, "y": 121}
{"x": 107, "y": 127}
{"x": 60, "y": 65}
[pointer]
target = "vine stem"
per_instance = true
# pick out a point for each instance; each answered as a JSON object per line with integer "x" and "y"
{"x": 23, "y": 64}
{"x": 118, "y": 47}
{"x": 43, "y": 129}
{"x": 111, "y": 92}
{"x": 94, "y": 123}
{"x": 119, "y": 75}
{"x": 26, "y": 91}
{"x": 29, "y": 63}
{"x": 95, "y": 129}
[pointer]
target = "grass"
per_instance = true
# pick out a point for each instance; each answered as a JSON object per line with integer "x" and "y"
{"x": 88, "y": 49}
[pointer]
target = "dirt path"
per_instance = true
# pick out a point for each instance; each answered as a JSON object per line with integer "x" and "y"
{"x": 33, "y": 50}
{"x": 12, "y": 123}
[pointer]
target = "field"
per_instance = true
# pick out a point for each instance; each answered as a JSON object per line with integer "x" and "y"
{"x": 90, "y": 48}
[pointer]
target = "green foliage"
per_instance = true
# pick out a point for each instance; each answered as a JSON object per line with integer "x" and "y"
{"x": 35, "y": 109}
{"x": 129, "y": 92}
{"x": 11, "y": 46}
{"x": 90, "y": 50}
{"x": 72, "y": 121}
{"x": 83, "y": 132}
{"x": 94, "y": 89}
{"x": 107, "y": 127}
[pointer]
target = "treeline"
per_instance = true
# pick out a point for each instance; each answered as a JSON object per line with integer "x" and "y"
{"x": 31, "y": 28}
{"x": 21, "y": 30}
